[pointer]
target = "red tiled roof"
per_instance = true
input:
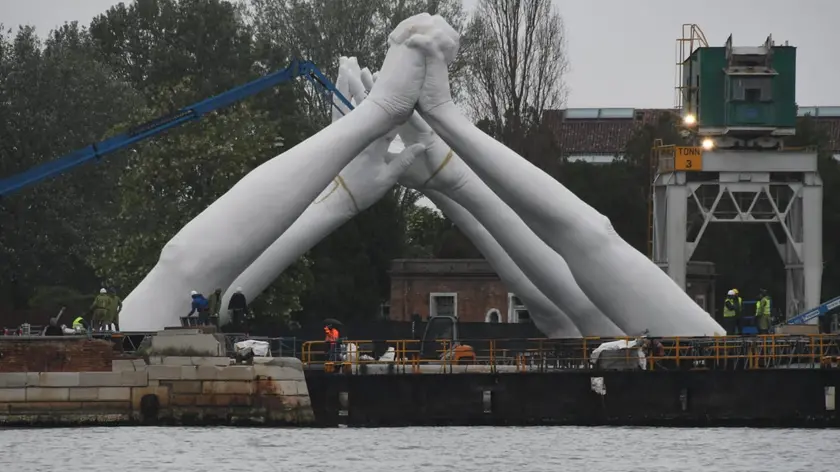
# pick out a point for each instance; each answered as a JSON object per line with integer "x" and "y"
{"x": 609, "y": 136}
{"x": 599, "y": 136}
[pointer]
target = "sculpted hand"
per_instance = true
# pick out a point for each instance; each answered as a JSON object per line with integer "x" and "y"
{"x": 373, "y": 172}
{"x": 437, "y": 167}
{"x": 404, "y": 69}
{"x": 439, "y": 43}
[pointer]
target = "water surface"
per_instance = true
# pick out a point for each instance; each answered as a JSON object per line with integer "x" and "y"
{"x": 484, "y": 449}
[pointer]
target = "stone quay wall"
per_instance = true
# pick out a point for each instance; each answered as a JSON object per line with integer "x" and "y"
{"x": 161, "y": 390}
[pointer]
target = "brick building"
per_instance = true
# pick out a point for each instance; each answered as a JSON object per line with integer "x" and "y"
{"x": 471, "y": 290}
{"x": 598, "y": 135}
{"x": 466, "y": 288}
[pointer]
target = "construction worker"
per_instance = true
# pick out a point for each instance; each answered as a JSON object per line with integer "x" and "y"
{"x": 739, "y": 311}
{"x": 201, "y": 306}
{"x": 215, "y": 304}
{"x": 730, "y": 313}
{"x": 331, "y": 339}
{"x": 99, "y": 309}
{"x": 79, "y": 325}
{"x": 113, "y": 311}
{"x": 762, "y": 312}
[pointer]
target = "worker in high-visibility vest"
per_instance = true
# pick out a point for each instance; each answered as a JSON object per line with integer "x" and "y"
{"x": 730, "y": 313}
{"x": 80, "y": 325}
{"x": 762, "y": 312}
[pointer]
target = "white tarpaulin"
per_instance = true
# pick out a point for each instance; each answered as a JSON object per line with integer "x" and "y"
{"x": 259, "y": 348}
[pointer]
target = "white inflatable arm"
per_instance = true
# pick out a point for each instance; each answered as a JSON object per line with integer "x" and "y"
{"x": 441, "y": 170}
{"x": 359, "y": 185}
{"x": 635, "y": 293}
{"x": 547, "y": 317}
{"x": 221, "y": 242}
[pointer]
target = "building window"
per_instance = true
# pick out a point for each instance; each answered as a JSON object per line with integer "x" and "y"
{"x": 493, "y": 316}
{"x": 753, "y": 89}
{"x": 443, "y": 304}
{"x": 517, "y": 311}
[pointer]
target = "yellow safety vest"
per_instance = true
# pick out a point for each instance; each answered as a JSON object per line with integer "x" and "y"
{"x": 762, "y": 308}
{"x": 77, "y": 323}
{"x": 730, "y": 312}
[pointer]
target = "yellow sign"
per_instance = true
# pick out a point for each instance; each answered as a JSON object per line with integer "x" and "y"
{"x": 688, "y": 159}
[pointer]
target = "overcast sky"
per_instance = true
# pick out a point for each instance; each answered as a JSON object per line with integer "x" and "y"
{"x": 622, "y": 52}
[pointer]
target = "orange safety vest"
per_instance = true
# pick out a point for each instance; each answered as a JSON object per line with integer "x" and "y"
{"x": 332, "y": 334}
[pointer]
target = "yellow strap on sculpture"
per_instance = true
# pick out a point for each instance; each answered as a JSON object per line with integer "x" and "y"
{"x": 332, "y": 191}
{"x": 440, "y": 167}
{"x": 340, "y": 181}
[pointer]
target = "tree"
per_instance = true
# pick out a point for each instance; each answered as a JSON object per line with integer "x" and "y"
{"x": 515, "y": 58}
{"x": 322, "y": 30}
{"x": 56, "y": 97}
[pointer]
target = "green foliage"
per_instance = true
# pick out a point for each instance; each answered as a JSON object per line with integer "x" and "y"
{"x": 106, "y": 224}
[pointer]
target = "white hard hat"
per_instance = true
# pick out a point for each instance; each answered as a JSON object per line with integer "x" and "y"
{"x": 102, "y": 290}
{"x": 193, "y": 293}
{"x": 238, "y": 289}
{"x": 731, "y": 292}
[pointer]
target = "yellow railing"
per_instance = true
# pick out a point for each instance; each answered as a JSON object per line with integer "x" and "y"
{"x": 537, "y": 355}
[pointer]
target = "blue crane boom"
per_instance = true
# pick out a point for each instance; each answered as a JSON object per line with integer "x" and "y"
{"x": 305, "y": 69}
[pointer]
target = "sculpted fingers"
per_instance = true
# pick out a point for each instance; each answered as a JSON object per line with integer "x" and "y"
{"x": 367, "y": 79}
{"x": 341, "y": 84}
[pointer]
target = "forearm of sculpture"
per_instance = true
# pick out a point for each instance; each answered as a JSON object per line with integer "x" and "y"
{"x": 544, "y": 267}
{"x": 547, "y": 317}
{"x": 222, "y": 241}
{"x": 622, "y": 282}
{"x": 492, "y": 161}
{"x": 326, "y": 214}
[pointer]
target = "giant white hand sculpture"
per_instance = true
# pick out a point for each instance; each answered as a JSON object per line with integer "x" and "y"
{"x": 221, "y": 242}
{"x": 358, "y": 186}
{"x": 622, "y": 282}
{"x": 439, "y": 172}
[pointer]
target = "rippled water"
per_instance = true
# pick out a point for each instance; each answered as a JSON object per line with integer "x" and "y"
{"x": 484, "y": 449}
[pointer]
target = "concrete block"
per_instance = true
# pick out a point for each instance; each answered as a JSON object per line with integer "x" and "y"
{"x": 38, "y": 394}
{"x": 139, "y": 364}
{"x": 207, "y": 372}
{"x": 153, "y": 383}
{"x": 114, "y": 394}
{"x": 292, "y": 362}
{"x": 186, "y": 386}
{"x": 164, "y": 372}
{"x": 44, "y": 408}
{"x": 100, "y": 379}
{"x": 288, "y": 387}
{"x": 134, "y": 378}
{"x": 155, "y": 360}
{"x": 235, "y": 372}
{"x": 224, "y": 400}
{"x": 216, "y": 361}
{"x": 227, "y": 387}
{"x": 203, "y": 344}
{"x": 120, "y": 365}
{"x": 102, "y": 407}
{"x": 10, "y": 395}
{"x": 14, "y": 379}
{"x": 177, "y": 360}
{"x": 82, "y": 394}
{"x": 276, "y": 372}
{"x": 183, "y": 400}
{"x": 59, "y": 379}
{"x": 189, "y": 372}
{"x": 302, "y": 388}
